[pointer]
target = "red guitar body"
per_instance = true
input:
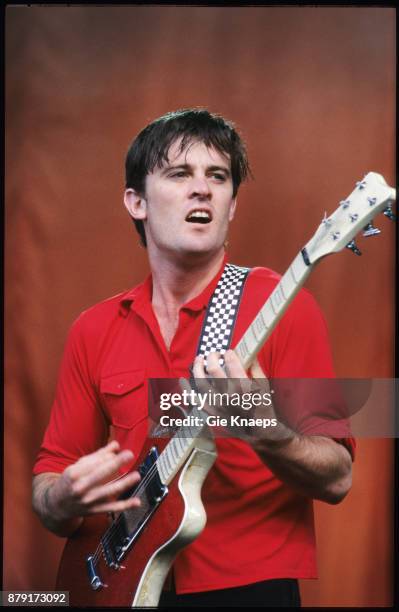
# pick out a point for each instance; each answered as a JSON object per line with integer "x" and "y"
{"x": 178, "y": 519}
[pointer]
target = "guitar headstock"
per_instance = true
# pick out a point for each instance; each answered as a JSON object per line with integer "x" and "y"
{"x": 371, "y": 196}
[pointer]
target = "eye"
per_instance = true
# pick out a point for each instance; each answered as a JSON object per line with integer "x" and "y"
{"x": 219, "y": 176}
{"x": 178, "y": 174}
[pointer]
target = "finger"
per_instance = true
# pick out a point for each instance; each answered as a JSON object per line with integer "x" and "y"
{"x": 108, "y": 466}
{"x": 199, "y": 367}
{"x": 213, "y": 366}
{"x": 216, "y": 381}
{"x": 234, "y": 367}
{"x": 111, "y": 465}
{"x": 86, "y": 463}
{"x": 92, "y": 466}
{"x": 201, "y": 378}
{"x": 116, "y": 506}
{"x": 112, "y": 489}
{"x": 238, "y": 378}
{"x": 113, "y": 445}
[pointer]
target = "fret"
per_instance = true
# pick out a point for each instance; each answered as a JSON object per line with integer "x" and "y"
{"x": 180, "y": 445}
{"x": 173, "y": 455}
{"x": 275, "y": 306}
{"x": 162, "y": 469}
{"x": 299, "y": 270}
{"x": 173, "y": 451}
{"x": 259, "y": 325}
{"x": 168, "y": 461}
{"x": 172, "y": 458}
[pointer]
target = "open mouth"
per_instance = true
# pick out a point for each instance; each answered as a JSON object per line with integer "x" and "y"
{"x": 199, "y": 216}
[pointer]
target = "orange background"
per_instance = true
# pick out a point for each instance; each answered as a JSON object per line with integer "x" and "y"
{"x": 313, "y": 91}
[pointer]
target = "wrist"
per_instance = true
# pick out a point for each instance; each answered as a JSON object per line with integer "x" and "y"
{"x": 50, "y": 502}
{"x": 57, "y": 521}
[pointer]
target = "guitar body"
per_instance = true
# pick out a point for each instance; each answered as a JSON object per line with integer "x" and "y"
{"x": 177, "y": 521}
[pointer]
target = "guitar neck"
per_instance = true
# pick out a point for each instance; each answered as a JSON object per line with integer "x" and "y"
{"x": 369, "y": 197}
{"x": 174, "y": 454}
{"x": 273, "y": 309}
{"x": 178, "y": 449}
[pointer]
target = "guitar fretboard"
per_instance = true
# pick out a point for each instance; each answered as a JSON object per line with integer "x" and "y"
{"x": 175, "y": 453}
{"x": 273, "y": 309}
{"x": 166, "y": 467}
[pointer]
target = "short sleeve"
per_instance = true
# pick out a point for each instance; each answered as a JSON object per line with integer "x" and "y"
{"x": 298, "y": 361}
{"x": 77, "y": 423}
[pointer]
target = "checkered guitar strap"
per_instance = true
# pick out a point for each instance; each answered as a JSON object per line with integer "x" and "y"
{"x": 221, "y": 314}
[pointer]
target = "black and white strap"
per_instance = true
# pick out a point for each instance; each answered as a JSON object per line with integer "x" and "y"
{"x": 221, "y": 314}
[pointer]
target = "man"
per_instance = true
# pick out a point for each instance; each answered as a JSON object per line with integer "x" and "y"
{"x": 183, "y": 172}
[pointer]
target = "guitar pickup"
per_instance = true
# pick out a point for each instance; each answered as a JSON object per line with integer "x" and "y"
{"x": 155, "y": 490}
{"x": 125, "y": 529}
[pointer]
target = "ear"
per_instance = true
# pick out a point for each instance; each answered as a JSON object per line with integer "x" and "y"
{"x": 136, "y": 205}
{"x": 233, "y": 207}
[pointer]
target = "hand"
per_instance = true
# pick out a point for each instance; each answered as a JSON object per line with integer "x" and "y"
{"x": 235, "y": 380}
{"x": 80, "y": 490}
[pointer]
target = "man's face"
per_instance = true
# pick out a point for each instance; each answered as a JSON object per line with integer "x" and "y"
{"x": 188, "y": 203}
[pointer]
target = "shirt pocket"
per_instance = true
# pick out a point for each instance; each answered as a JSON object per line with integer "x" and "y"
{"x": 125, "y": 398}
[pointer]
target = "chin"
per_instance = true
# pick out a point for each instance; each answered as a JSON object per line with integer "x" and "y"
{"x": 191, "y": 246}
{"x": 201, "y": 245}
{"x": 201, "y": 253}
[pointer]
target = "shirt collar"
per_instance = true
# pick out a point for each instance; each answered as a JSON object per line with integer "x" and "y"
{"x": 141, "y": 295}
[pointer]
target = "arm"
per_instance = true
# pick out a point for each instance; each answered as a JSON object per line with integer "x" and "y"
{"x": 75, "y": 462}
{"x": 62, "y": 500}
{"x": 315, "y": 466}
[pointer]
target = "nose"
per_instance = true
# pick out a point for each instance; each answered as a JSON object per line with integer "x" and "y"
{"x": 200, "y": 187}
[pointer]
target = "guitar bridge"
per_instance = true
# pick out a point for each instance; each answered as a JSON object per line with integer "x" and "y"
{"x": 95, "y": 581}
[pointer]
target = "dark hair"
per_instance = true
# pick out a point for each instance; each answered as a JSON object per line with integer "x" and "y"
{"x": 150, "y": 148}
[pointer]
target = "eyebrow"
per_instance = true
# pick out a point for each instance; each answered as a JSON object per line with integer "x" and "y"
{"x": 214, "y": 168}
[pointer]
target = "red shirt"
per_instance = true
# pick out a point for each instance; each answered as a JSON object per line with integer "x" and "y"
{"x": 257, "y": 527}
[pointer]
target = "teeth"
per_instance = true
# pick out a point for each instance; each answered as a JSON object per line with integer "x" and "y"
{"x": 199, "y": 214}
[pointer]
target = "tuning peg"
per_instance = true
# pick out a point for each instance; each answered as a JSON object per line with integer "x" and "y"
{"x": 388, "y": 213}
{"x": 370, "y": 230}
{"x": 371, "y": 201}
{"x": 352, "y": 247}
{"x": 361, "y": 184}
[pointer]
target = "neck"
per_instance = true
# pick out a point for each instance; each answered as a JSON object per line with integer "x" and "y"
{"x": 177, "y": 282}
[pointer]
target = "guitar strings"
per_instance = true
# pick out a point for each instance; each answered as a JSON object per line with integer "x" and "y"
{"x": 190, "y": 433}
{"x": 137, "y": 492}
{"x": 116, "y": 524}
{"x": 140, "y": 489}
{"x": 186, "y": 432}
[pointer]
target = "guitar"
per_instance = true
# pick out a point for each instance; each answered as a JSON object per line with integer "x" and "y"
{"x": 124, "y": 560}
